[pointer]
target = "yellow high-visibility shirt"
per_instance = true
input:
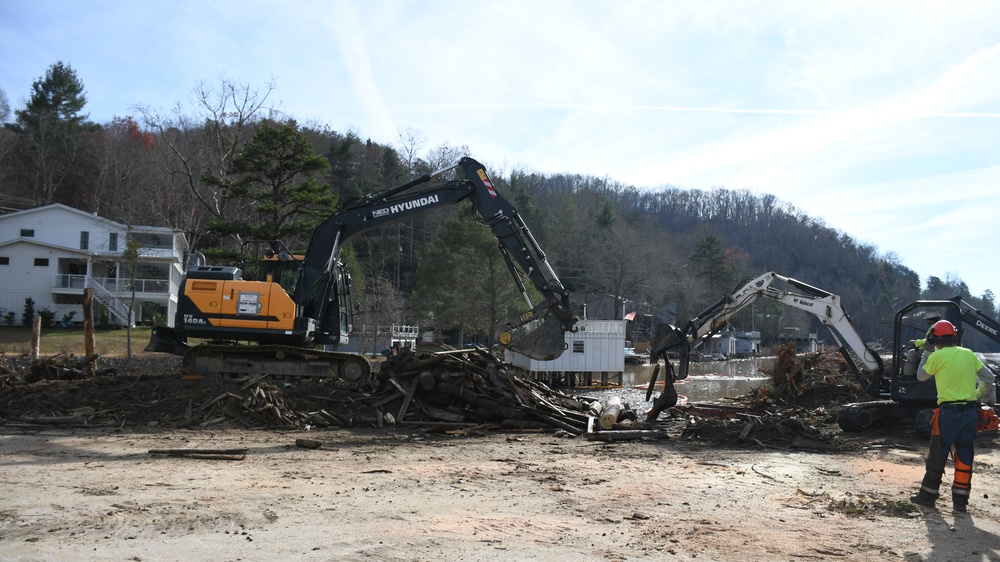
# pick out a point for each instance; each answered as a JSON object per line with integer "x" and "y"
{"x": 954, "y": 370}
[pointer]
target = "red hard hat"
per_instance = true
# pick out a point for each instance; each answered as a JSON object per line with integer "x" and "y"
{"x": 942, "y": 329}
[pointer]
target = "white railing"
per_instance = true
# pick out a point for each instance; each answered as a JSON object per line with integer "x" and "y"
{"x": 112, "y": 292}
{"x": 111, "y": 284}
{"x": 409, "y": 332}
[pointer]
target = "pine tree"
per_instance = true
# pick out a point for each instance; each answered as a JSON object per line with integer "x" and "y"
{"x": 50, "y": 129}
{"x": 273, "y": 177}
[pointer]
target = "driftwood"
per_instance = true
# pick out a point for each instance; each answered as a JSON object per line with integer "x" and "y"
{"x": 64, "y": 367}
{"x": 627, "y": 435}
{"x": 610, "y": 413}
{"x": 204, "y": 454}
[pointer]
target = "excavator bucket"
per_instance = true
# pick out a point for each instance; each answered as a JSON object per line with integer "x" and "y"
{"x": 544, "y": 343}
{"x": 163, "y": 339}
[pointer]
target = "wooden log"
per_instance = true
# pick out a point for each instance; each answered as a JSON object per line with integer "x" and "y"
{"x": 89, "y": 334}
{"x": 444, "y": 415}
{"x": 610, "y": 413}
{"x": 427, "y": 380}
{"x": 560, "y": 423}
{"x": 397, "y": 384}
{"x": 440, "y": 424}
{"x": 480, "y": 401}
{"x": 185, "y": 452}
{"x": 387, "y": 399}
{"x": 36, "y": 337}
{"x": 627, "y": 435}
{"x": 522, "y": 424}
{"x": 49, "y": 420}
{"x": 594, "y": 409}
{"x": 407, "y": 398}
{"x": 423, "y": 364}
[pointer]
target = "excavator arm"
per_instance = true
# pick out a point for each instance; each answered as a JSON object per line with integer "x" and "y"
{"x": 521, "y": 252}
{"x": 822, "y": 304}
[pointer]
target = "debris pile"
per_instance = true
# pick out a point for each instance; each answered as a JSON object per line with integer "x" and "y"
{"x": 472, "y": 388}
{"x": 460, "y": 390}
{"x": 770, "y": 430}
{"x": 797, "y": 410}
{"x": 810, "y": 380}
{"x": 454, "y": 391}
{"x": 65, "y": 367}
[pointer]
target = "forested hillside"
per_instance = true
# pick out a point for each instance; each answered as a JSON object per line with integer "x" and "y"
{"x": 228, "y": 169}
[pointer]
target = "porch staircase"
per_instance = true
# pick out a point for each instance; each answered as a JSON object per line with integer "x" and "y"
{"x": 117, "y": 311}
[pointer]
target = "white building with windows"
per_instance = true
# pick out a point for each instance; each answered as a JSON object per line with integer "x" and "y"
{"x": 51, "y": 254}
{"x": 595, "y": 352}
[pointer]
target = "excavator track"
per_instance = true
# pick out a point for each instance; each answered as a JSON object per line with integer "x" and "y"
{"x": 864, "y": 415}
{"x": 342, "y": 370}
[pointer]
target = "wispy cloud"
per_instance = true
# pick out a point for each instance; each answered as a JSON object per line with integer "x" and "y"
{"x": 879, "y": 118}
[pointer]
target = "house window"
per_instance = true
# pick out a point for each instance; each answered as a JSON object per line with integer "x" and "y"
{"x": 4, "y": 260}
{"x": 27, "y": 233}
{"x": 84, "y": 240}
{"x": 113, "y": 242}
{"x": 42, "y": 262}
{"x": 578, "y": 346}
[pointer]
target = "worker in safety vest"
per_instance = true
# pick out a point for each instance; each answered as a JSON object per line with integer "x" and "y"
{"x": 953, "y": 425}
{"x": 931, "y": 317}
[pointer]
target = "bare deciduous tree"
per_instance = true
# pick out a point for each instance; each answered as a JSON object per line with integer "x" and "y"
{"x": 206, "y": 142}
{"x": 125, "y": 187}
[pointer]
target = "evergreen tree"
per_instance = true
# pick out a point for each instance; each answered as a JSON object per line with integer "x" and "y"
{"x": 712, "y": 264}
{"x": 273, "y": 175}
{"x": 463, "y": 281}
{"x": 50, "y": 129}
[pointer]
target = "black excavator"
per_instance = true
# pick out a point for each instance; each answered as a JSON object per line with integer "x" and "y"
{"x": 895, "y": 391}
{"x": 292, "y": 326}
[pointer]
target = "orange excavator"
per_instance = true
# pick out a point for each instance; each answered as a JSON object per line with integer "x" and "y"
{"x": 293, "y": 325}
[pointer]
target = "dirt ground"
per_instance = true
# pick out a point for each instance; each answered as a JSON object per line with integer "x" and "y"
{"x": 108, "y": 491}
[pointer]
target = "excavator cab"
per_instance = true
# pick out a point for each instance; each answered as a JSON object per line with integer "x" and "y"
{"x": 911, "y": 325}
{"x": 272, "y": 261}
{"x": 897, "y": 392}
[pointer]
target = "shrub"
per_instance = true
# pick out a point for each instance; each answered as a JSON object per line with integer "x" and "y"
{"x": 29, "y": 312}
{"x": 67, "y": 319}
{"x": 47, "y": 316}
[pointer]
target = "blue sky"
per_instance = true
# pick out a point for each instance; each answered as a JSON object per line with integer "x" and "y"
{"x": 880, "y": 118}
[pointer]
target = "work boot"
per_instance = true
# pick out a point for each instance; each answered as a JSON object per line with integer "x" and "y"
{"x": 959, "y": 504}
{"x": 923, "y": 498}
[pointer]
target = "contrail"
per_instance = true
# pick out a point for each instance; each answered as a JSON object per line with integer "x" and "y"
{"x": 670, "y": 108}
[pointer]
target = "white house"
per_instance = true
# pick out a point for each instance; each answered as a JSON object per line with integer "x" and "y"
{"x": 596, "y": 351}
{"x": 51, "y": 254}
